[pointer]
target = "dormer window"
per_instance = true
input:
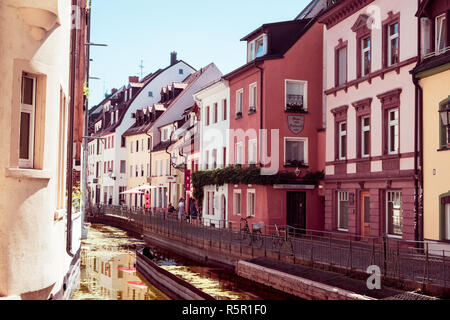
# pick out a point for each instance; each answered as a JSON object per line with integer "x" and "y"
{"x": 257, "y": 48}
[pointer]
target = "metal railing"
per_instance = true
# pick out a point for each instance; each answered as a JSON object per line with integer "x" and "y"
{"x": 397, "y": 259}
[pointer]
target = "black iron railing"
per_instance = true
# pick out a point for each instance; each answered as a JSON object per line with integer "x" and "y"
{"x": 396, "y": 259}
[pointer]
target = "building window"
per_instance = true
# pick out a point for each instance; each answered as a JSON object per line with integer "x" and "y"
{"x": 148, "y": 170}
{"x": 251, "y": 196}
{"x": 214, "y": 158}
{"x": 365, "y": 56}
{"x": 342, "y": 210}
{"x": 123, "y": 142}
{"x": 444, "y": 121}
{"x": 237, "y": 202}
{"x": 150, "y": 94}
{"x": 393, "y": 44}
{"x": 207, "y": 159}
{"x": 131, "y": 171}
{"x": 224, "y": 153}
{"x": 296, "y": 93}
{"x": 207, "y": 114}
{"x": 252, "y": 97}
{"x": 441, "y": 32}
{"x": 296, "y": 151}
{"x": 394, "y": 213}
{"x": 216, "y": 112}
{"x": 149, "y": 144}
{"x": 393, "y": 137}
{"x": 252, "y": 151}
{"x": 239, "y": 102}
{"x": 137, "y": 145}
{"x": 341, "y": 66}
{"x": 365, "y": 137}
{"x": 224, "y": 109}
{"x": 342, "y": 130}
{"x": 257, "y": 48}
{"x": 180, "y": 71}
{"x": 123, "y": 166}
{"x": 238, "y": 153}
{"x": 27, "y": 121}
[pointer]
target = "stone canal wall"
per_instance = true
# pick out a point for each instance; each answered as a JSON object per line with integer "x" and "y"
{"x": 301, "y": 287}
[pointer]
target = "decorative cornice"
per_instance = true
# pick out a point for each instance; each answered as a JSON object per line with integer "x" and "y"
{"x": 362, "y": 106}
{"x": 342, "y": 11}
{"x": 391, "y": 98}
{"x": 340, "y": 111}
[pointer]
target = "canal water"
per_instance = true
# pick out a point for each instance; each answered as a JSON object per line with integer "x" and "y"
{"x": 108, "y": 272}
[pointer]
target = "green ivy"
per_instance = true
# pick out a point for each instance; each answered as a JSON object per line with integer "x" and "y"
{"x": 238, "y": 175}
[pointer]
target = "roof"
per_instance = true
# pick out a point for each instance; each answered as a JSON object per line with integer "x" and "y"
{"x": 146, "y": 80}
{"x": 190, "y": 80}
{"x": 432, "y": 62}
{"x": 313, "y": 9}
{"x": 162, "y": 146}
{"x": 282, "y": 36}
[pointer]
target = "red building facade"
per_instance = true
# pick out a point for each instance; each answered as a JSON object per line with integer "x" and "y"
{"x": 276, "y": 123}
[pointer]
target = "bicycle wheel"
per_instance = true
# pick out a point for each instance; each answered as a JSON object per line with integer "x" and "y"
{"x": 257, "y": 240}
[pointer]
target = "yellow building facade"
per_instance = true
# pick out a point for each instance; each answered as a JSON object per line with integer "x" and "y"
{"x": 436, "y": 154}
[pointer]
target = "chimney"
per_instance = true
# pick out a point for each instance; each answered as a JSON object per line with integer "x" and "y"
{"x": 173, "y": 58}
{"x": 133, "y": 79}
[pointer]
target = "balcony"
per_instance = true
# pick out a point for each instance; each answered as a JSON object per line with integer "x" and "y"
{"x": 41, "y": 16}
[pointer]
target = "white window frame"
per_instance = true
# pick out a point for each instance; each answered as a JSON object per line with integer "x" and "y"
{"x": 447, "y": 220}
{"x": 237, "y": 212}
{"x": 390, "y": 38}
{"x": 395, "y": 193}
{"x": 305, "y": 148}
{"x": 31, "y": 110}
{"x": 239, "y": 101}
{"x": 342, "y": 133}
{"x": 251, "y": 48}
{"x": 363, "y": 52}
{"x": 439, "y": 32}
{"x": 341, "y": 196}
{"x": 393, "y": 123}
{"x": 364, "y": 129}
{"x": 238, "y": 153}
{"x": 305, "y": 92}
{"x": 252, "y": 96}
{"x": 251, "y": 192}
{"x": 252, "y": 151}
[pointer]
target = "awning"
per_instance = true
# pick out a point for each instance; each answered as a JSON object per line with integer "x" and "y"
{"x": 132, "y": 191}
{"x": 127, "y": 270}
{"x": 146, "y": 187}
{"x": 140, "y": 285}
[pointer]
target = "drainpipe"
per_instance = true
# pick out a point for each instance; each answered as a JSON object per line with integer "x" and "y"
{"x": 261, "y": 123}
{"x": 150, "y": 156}
{"x": 73, "y": 55}
{"x": 86, "y": 131}
{"x": 418, "y": 145}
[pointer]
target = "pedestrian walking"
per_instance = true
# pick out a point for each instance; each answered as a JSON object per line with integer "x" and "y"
{"x": 181, "y": 210}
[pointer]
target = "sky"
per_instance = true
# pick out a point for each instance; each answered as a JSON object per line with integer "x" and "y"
{"x": 200, "y": 31}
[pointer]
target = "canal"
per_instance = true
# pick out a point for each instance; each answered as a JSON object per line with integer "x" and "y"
{"x": 108, "y": 272}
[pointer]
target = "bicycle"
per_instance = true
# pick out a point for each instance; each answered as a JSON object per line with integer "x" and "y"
{"x": 253, "y": 237}
{"x": 280, "y": 239}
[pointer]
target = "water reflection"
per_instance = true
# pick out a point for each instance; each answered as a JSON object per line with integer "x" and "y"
{"x": 108, "y": 272}
{"x": 108, "y": 268}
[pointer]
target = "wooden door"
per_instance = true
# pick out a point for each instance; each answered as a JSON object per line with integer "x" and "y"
{"x": 296, "y": 210}
{"x": 365, "y": 213}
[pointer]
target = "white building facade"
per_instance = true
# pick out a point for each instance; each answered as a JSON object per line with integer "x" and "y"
{"x": 214, "y": 102}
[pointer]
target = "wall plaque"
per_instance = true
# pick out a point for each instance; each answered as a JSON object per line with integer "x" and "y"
{"x": 296, "y": 123}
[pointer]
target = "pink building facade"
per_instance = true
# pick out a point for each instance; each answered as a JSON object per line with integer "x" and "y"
{"x": 279, "y": 90}
{"x": 371, "y": 148}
